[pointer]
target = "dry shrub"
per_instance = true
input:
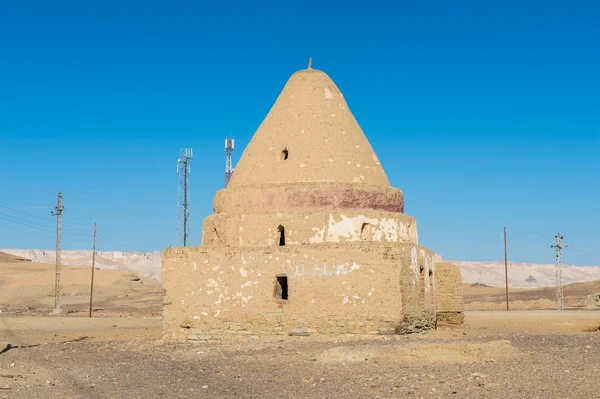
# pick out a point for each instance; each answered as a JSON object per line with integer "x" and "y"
{"x": 592, "y": 327}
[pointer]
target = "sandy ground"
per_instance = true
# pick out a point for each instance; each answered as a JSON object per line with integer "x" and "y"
{"x": 119, "y": 351}
{"x": 527, "y": 354}
{"x": 490, "y": 298}
{"x": 28, "y": 289}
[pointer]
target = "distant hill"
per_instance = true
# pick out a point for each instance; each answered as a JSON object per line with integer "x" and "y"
{"x": 4, "y": 257}
{"x": 524, "y": 275}
{"x": 578, "y": 295}
{"x": 520, "y": 275}
{"x": 27, "y": 288}
{"x": 147, "y": 264}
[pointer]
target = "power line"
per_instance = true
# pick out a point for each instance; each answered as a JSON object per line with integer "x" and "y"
{"x": 79, "y": 208}
{"x": 108, "y": 240}
{"x": 559, "y": 271}
{"x": 116, "y": 246}
{"x": 58, "y": 213}
{"x": 45, "y": 228}
{"x": 23, "y": 213}
{"x": 38, "y": 226}
{"x": 39, "y": 217}
{"x": 93, "y": 267}
{"x": 505, "y": 267}
{"x": 114, "y": 235}
{"x": 24, "y": 223}
{"x": 26, "y": 232}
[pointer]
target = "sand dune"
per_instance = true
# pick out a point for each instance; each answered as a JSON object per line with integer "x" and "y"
{"x": 28, "y": 288}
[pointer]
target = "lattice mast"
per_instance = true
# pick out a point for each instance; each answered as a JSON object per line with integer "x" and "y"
{"x": 560, "y": 304}
{"x": 183, "y": 210}
{"x": 58, "y": 210}
{"x": 228, "y": 166}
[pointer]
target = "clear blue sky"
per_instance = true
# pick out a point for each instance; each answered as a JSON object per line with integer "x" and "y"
{"x": 486, "y": 114}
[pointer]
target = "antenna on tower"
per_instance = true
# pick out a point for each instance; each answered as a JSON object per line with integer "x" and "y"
{"x": 560, "y": 305}
{"x": 183, "y": 211}
{"x": 228, "y": 167}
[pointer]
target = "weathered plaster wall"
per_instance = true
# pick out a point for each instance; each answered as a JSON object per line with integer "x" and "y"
{"x": 448, "y": 297}
{"x": 312, "y": 121}
{"x": 228, "y": 293}
{"x": 349, "y": 254}
{"x": 308, "y": 196}
{"x": 309, "y": 228}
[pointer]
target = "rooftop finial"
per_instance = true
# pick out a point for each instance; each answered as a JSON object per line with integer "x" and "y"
{"x": 310, "y": 63}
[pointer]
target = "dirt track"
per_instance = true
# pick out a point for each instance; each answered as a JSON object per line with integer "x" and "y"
{"x": 128, "y": 361}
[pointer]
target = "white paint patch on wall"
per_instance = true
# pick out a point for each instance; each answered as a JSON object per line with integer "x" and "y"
{"x": 212, "y": 283}
{"x": 331, "y": 270}
{"x": 389, "y": 228}
{"x": 413, "y": 262}
{"x": 318, "y": 237}
{"x": 347, "y": 228}
{"x": 352, "y": 299}
{"x": 248, "y": 284}
{"x": 351, "y": 229}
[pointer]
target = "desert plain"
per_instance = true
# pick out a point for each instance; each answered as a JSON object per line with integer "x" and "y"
{"x": 531, "y": 351}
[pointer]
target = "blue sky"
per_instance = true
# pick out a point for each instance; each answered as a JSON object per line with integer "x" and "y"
{"x": 486, "y": 114}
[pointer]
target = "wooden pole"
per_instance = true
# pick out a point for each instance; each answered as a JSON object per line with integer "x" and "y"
{"x": 506, "y": 268}
{"x": 93, "y": 267}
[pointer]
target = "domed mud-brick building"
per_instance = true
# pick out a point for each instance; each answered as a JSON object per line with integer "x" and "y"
{"x": 308, "y": 238}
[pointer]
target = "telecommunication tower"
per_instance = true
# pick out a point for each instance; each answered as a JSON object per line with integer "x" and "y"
{"x": 58, "y": 210}
{"x": 559, "y": 271}
{"x": 228, "y": 167}
{"x": 183, "y": 211}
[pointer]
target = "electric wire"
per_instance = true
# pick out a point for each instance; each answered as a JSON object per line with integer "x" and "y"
{"x": 27, "y": 232}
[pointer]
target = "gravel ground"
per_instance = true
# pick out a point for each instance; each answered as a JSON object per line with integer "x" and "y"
{"x": 542, "y": 366}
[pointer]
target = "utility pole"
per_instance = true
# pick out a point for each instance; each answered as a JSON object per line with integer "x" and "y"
{"x": 560, "y": 305}
{"x": 183, "y": 212}
{"x": 93, "y": 267}
{"x": 506, "y": 268}
{"x": 228, "y": 166}
{"x": 58, "y": 213}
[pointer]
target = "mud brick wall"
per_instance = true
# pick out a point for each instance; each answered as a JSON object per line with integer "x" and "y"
{"x": 308, "y": 237}
{"x": 448, "y": 296}
{"x": 232, "y": 293}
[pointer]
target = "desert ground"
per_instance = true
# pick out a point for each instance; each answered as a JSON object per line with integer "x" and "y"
{"x": 28, "y": 289}
{"x": 119, "y": 351}
{"x": 576, "y": 296}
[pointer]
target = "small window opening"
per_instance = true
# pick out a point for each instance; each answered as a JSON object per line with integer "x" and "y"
{"x": 422, "y": 280}
{"x": 430, "y": 273}
{"x": 281, "y": 231}
{"x": 365, "y": 232}
{"x": 281, "y": 288}
{"x": 284, "y": 154}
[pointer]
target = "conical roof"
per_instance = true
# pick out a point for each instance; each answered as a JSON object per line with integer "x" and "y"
{"x": 309, "y": 135}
